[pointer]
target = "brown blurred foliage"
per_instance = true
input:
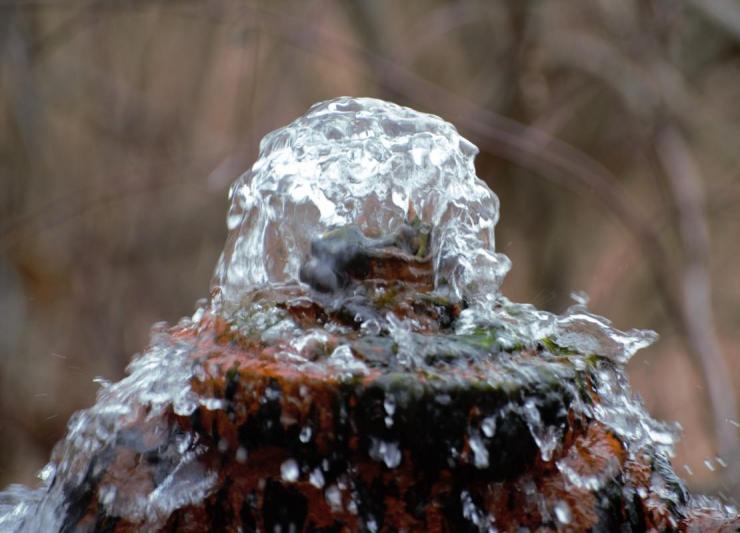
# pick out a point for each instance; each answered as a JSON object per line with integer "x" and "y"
{"x": 610, "y": 131}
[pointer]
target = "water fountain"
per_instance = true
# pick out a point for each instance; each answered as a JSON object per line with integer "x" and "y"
{"x": 356, "y": 368}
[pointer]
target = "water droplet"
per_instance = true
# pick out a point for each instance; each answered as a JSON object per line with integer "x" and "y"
{"x": 213, "y": 404}
{"x": 101, "y": 381}
{"x": 316, "y": 478}
{"x": 388, "y": 452}
{"x": 389, "y": 404}
{"x": 289, "y": 470}
{"x": 480, "y": 452}
{"x": 271, "y": 394}
{"x": 241, "y": 455}
{"x": 334, "y": 498}
{"x": 305, "y": 434}
{"x": 47, "y": 473}
{"x": 198, "y": 315}
{"x": 488, "y": 426}
{"x": 562, "y": 512}
{"x": 708, "y": 463}
{"x": 443, "y": 399}
{"x": 472, "y": 512}
{"x": 580, "y": 297}
{"x": 107, "y": 494}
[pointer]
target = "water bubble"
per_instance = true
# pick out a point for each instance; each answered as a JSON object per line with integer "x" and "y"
{"x": 289, "y": 470}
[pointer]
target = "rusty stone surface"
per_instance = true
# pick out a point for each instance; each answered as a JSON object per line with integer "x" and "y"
{"x": 267, "y": 403}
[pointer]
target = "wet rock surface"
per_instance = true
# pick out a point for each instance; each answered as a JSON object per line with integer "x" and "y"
{"x": 366, "y": 381}
{"x": 491, "y": 439}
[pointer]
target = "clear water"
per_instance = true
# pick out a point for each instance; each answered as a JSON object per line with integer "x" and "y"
{"x": 366, "y": 162}
{"x": 374, "y": 165}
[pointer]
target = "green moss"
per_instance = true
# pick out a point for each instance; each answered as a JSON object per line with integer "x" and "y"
{"x": 554, "y": 348}
{"x": 484, "y": 338}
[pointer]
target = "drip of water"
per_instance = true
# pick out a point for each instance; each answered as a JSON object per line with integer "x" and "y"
{"x": 387, "y": 452}
{"x": 289, "y": 471}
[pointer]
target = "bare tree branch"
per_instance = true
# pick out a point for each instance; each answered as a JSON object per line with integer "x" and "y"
{"x": 696, "y": 306}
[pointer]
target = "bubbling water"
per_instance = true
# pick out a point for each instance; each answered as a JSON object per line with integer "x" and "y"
{"x": 377, "y": 168}
{"x": 373, "y": 164}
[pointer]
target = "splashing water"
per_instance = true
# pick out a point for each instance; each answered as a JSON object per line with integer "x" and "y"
{"x": 377, "y": 167}
{"x": 366, "y": 162}
{"x": 374, "y": 164}
{"x": 127, "y": 413}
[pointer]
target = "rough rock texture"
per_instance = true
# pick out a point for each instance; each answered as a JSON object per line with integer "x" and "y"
{"x": 449, "y": 448}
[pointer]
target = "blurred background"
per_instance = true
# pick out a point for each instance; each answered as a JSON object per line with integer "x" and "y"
{"x": 610, "y": 131}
